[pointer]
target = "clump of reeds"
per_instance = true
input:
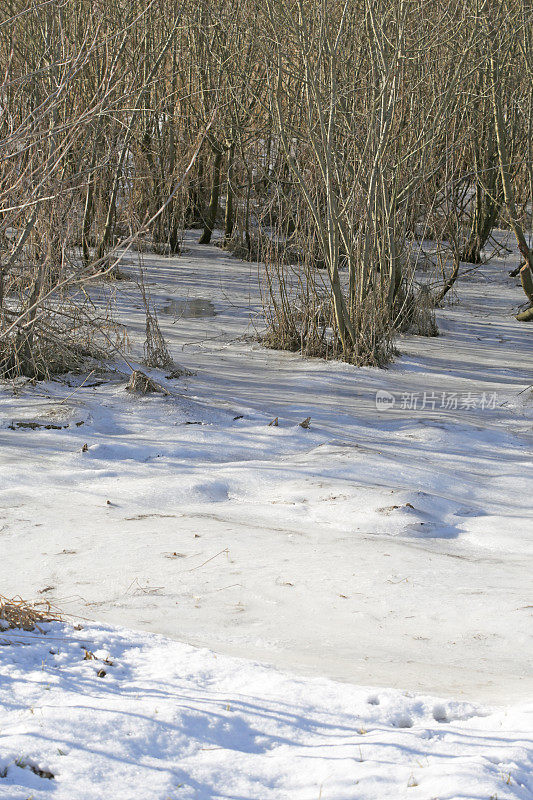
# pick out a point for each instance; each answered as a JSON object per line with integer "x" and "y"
{"x": 16, "y": 613}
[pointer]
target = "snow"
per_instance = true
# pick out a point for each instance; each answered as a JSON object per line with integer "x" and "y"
{"x": 171, "y": 721}
{"x": 381, "y": 547}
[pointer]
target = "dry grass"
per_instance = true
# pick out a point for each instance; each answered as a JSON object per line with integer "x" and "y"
{"x": 416, "y": 314}
{"x": 156, "y": 353}
{"x": 16, "y": 613}
{"x": 67, "y": 336}
{"x": 300, "y": 317}
{"x": 140, "y": 383}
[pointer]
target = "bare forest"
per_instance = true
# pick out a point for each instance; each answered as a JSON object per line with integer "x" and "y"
{"x": 329, "y": 140}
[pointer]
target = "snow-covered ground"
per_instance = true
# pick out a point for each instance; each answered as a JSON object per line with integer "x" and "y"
{"x": 170, "y": 722}
{"x": 383, "y": 546}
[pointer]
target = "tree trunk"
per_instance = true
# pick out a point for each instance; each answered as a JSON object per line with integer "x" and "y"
{"x": 488, "y": 203}
{"x": 211, "y": 216}
{"x": 229, "y": 220}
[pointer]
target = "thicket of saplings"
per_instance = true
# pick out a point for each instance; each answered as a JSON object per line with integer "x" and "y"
{"x": 337, "y": 142}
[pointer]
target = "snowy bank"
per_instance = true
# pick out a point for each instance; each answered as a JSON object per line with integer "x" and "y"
{"x": 106, "y": 713}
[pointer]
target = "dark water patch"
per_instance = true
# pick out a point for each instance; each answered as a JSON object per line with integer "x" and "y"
{"x": 191, "y": 308}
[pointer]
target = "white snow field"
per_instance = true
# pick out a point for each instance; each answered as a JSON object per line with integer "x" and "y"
{"x": 384, "y": 546}
{"x": 172, "y": 722}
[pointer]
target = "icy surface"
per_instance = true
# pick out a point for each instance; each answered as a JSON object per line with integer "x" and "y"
{"x": 386, "y": 547}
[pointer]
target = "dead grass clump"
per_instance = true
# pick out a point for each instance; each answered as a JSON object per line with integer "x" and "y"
{"x": 41, "y": 357}
{"x": 239, "y": 249}
{"x": 141, "y": 384}
{"x": 300, "y": 318}
{"x": 257, "y": 246}
{"x": 65, "y": 337}
{"x": 156, "y": 352}
{"x": 373, "y": 349}
{"x": 299, "y": 328}
{"x": 20, "y": 614}
{"x": 416, "y": 314}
